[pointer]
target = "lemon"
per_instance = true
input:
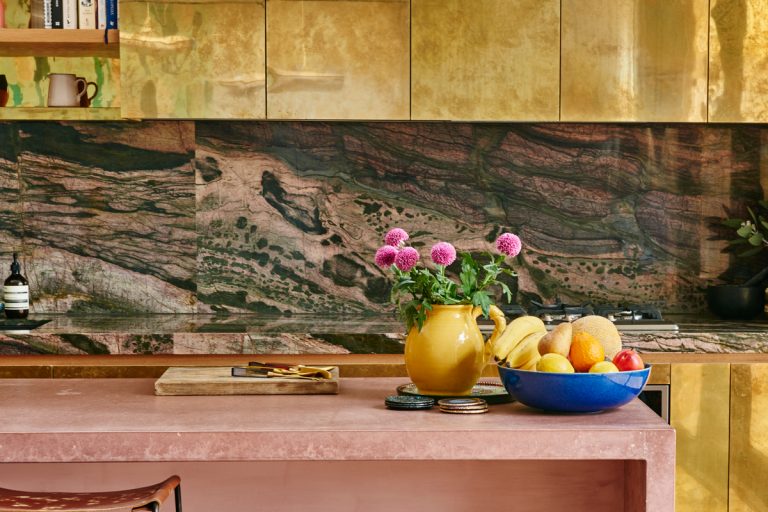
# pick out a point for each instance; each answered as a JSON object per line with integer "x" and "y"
{"x": 603, "y": 367}
{"x": 554, "y": 363}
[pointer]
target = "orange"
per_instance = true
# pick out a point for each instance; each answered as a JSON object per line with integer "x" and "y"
{"x": 586, "y": 350}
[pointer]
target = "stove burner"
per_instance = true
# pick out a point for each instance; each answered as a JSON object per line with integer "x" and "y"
{"x": 559, "y": 312}
{"x": 629, "y": 312}
{"x": 512, "y": 311}
{"x": 626, "y": 317}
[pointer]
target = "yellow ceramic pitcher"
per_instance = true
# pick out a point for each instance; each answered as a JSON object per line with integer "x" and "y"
{"x": 448, "y": 355}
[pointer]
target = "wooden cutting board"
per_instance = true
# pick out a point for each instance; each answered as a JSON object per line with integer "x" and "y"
{"x": 217, "y": 380}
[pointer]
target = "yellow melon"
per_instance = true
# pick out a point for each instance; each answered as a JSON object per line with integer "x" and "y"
{"x": 602, "y": 329}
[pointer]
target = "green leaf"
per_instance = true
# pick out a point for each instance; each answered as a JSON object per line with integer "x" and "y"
{"x": 468, "y": 275}
{"x": 745, "y": 231}
{"x": 756, "y": 239}
{"x": 752, "y": 214}
{"x": 763, "y": 223}
{"x": 481, "y": 298}
{"x": 738, "y": 241}
{"x": 750, "y": 252}
{"x": 507, "y": 291}
{"x": 732, "y": 223}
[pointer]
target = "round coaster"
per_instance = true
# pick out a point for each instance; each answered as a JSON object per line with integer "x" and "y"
{"x": 464, "y": 411}
{"x": 492, "y": 392}
{"x": 463, "y": 408}
{"x": 461, "y": 402}
{"x": 408, "y": 402}
{"x": 462, "y": 405}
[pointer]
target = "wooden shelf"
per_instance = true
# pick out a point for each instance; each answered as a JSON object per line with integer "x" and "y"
{"x": 31, "y": 42}
{"x": 59, "y": 113}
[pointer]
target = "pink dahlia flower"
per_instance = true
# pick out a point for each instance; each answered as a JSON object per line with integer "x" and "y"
{"x": 395, "y": 237}
{"x": 406, "y": 259}
{"x": 443, "y": 253}
{"x": 509, "y": 244}
{"x": 385, "y": 256}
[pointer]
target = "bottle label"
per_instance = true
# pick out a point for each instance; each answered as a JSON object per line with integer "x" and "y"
{"x": 16, "y": 297}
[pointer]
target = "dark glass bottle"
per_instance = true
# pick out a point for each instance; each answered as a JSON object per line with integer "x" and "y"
{"x": 16, "y": 292}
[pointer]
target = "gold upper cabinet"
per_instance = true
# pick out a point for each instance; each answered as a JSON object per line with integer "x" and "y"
{"x": 485, "y": 60}
{"x": 192, "y": 59}
{"x": 338, "y": 59}
{"x": 634, "y": 60}
{"x": 738, "y": 61}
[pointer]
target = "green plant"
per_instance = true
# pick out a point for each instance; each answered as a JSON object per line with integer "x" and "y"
{"x": 752, "y": 232}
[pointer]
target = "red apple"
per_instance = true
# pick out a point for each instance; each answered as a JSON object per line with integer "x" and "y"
{"x": 627, "y": 360}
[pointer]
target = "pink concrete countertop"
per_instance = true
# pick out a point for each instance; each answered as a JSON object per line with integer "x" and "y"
{"x": 89, "y": 420}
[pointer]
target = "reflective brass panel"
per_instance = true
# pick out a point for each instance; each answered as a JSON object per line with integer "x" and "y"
{"x": 660, "y": 374}
{"x": 634, "y": 60}
{"x": 699, "y": 414}
{"x": 338, "y": 59}
{"x": 738, "y": 61}
{"x": 749, "y": 437}
{"x": 485, "y": 59}
{"x": 201, "y": 59}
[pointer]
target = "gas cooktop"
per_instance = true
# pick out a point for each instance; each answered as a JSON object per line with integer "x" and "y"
{"x": 627, "y": 317}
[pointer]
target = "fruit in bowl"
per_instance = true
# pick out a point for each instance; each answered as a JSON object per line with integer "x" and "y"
{"x": 580, "y": 368}
{"x": 573, "y": 392}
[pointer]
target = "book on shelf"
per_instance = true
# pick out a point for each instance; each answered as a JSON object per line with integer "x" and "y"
{"x": 70, "y": 13}
{"x": 87, "y": 14}
{"x": 111, "y": 14}
{"x": 57, "y": 13}
{"x": 101, "y": 14}
{"x": 36, "y": 14}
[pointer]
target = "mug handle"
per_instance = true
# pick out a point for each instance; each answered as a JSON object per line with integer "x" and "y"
{"x": 95, "y": 92}
{"x": 85, "y": 86}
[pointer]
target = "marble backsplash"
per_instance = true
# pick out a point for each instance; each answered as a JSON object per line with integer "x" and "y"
{"x": 277, "y": 217}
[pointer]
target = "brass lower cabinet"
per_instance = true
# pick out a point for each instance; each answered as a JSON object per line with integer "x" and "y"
{"x": 700, "y": 415}
{"x": 748, "y": 489}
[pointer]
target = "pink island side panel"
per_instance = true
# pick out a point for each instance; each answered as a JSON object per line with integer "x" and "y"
{"x": 343, "y": 452}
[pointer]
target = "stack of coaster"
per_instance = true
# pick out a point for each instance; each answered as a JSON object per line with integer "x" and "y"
{"x": 409, "y": 403}
{"x": 463, "y": 405}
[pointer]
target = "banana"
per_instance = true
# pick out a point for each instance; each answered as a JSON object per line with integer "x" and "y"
{"x": 516, "y": 330}
{"x": 531, "y": 366}
{"x": 526, "y": 351}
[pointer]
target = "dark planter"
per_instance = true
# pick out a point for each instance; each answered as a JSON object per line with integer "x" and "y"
{"x": 736, "y": 302}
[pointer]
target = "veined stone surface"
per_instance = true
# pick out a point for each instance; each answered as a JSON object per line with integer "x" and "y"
{"x": 286, "y": 217}
{"x": 108, "y": 214}
{"x": 10, "y": 199}
{"x": 290, "y": 214}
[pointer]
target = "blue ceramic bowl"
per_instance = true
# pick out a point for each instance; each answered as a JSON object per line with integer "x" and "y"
{"x": 573, "y": 392}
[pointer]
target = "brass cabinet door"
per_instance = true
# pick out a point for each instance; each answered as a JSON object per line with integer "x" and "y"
{"x": 200, "y": 59}
{"x": 699, "y": 412}
{"x": 749, "y": 438}
{"x": 738, "y": 61}
{"x": 338, "y": 59}
{"x": 634, "y": 60}
{"x": 485, "y": 60}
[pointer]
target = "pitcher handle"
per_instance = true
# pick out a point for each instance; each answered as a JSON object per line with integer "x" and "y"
{"x": 500, "y": 323}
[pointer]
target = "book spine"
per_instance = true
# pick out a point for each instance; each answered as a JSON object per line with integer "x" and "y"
{"x": 47, "y": 14}
{"x": 57, "y": 13}
{"x": 101, "y": 14}
{"x": 70, "y": 13}
{"x": 111, "y": 14}
{"x": 87, "y": 14}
